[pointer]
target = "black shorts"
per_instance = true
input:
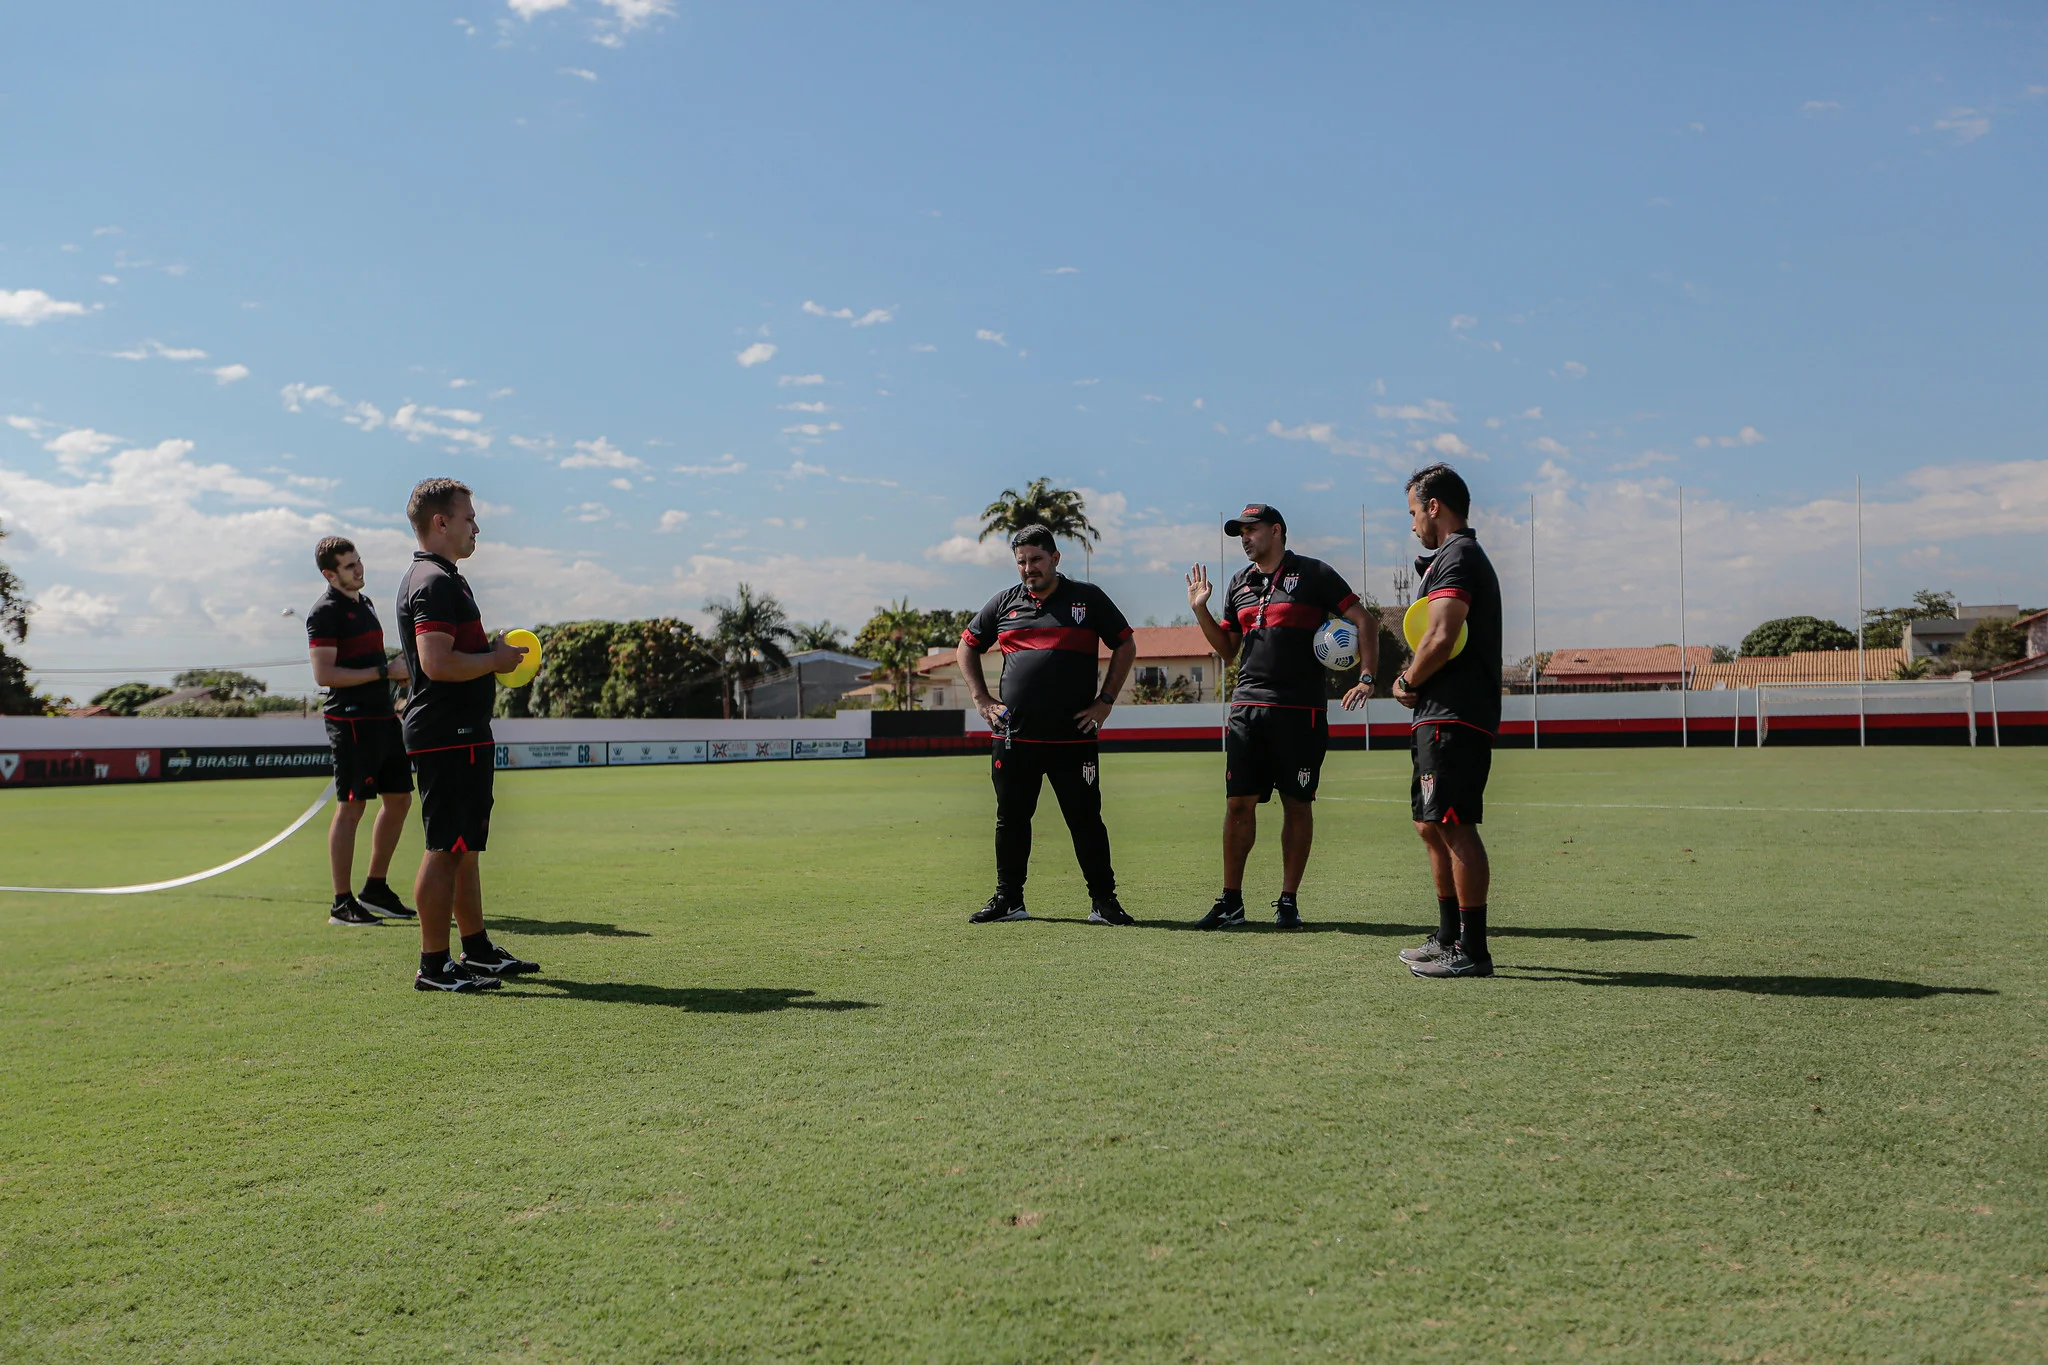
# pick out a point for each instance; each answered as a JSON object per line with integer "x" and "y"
{"x": 1451, "y": 766}
{"x": 1274, "y": 746}
{"x": 369, "y": 757}
{"x": 455, "y": 797}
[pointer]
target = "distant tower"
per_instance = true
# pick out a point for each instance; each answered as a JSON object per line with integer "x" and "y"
{"x": 1404, "y": 587}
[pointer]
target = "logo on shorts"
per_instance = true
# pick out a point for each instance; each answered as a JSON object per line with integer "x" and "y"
{"x": 1428, "y": 781}
{"x": 1079, "y": 611}
{"x": 1290, "y": 581}
{"x": 1301, "y": 776}
{"x": 1088, "y": 773}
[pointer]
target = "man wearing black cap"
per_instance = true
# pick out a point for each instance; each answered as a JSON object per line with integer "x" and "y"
{"x": 1049, "y": 628}
{"x": 1279, "y": 725}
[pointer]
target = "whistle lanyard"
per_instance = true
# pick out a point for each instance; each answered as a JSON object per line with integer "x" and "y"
{"x": 1267, "y": 596}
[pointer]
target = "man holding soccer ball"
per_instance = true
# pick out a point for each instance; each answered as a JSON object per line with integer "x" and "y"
{"x": 1453, "y": 686}
{"x": 1279, "y": 725}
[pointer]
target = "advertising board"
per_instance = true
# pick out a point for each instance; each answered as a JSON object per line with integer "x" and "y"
{"x": 549, "y": 756}
{"x": 748, "y": 750}
{"x": 828, "y": 748}
{"x": 75, "y": 767}
{"x": 657, "y": 751}
{"x": 295, "y": 761}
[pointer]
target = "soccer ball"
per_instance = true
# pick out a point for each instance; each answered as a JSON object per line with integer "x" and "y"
{"x": 1337, "y": 645}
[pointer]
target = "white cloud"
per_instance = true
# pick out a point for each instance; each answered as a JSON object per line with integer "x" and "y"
{"x": 623, "y": 485}
{"x": 963, "y": 549}
{"x": 412, "y": 419}
{"x": 812, "y": 429}
{"x": 110, "y": 279}
{"x": 1150, "y": 398}
{"x": 1429, "y": 410}
{"x": 74, "y": 448}
{"x": 1446, "y": 443}
{"x": 798, "y": 381}
{"x": 364, "y": 415}
{"x": 156, "y": 349}
{"x": 1573, "y": 369}
{"x": 601, "y": 454}
{"x": 1461, "y": 322}
{"x": 526, "y": 9}
{"x": 1550, "y": 446}
{"x": 819, "y": 310}
{"x": 984, "y": 334}
{"x": 875, "y": 316}
{"x": 1645, "y": 460}
{"x": 1086, "y": 383}
{"x": 579, "y": 72}
{"x": 64, "y": 610}
{"x": 726, "y": 465}
{"x": 1197, "y": 405}
{"x": 1748, "y": 436}
{"x": 1534, "y": 415}
{"x": 805, "y": 407}
{"x": 588, "y": 511}
{"x": 296, "y": 396}
{"x": 1064, "y": 270}
{"x": 455, "y": 414}
{"x": 1820, "y": 107}
{"x": 799, "y": 470}
{"x": 671, "y": 520}
{"x": 462, "y": 384}
{"x": 235, "y": 374}
{"x": 871, "y": 318}
{"x": 756, "y": 354}
{"x": 503, "y": 393}
{"x": 1967, "y": 124}
{"x": 27, "y": 307}
{"x": 924, "y": 346}
{"x": 33, "y": 426}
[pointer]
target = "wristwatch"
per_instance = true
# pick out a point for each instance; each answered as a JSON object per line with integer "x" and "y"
{"x": 384, "y": 671}
{"x": 1106, "y": 699}
{"x": 1365, "y": 677}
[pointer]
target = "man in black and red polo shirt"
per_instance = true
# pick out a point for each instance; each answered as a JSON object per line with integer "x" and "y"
{"x": 1455, "y": 695}
{"x": 1279, "y": 727}
{"x": 1048, "y": 627}
{"x": 448, "y": 734}
{"x": 347, "y": 646}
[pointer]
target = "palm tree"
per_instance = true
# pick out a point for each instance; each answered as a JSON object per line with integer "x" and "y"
{"x": 1911, "y": 670}
{"x": 823, "y": 635}
{"x": 1059, "y": 510}
{"x": 898, "y": 632}
{"x": 746, "y": 634}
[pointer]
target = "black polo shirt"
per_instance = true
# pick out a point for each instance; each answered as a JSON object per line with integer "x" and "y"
{"x": 435, "y": 598}
{"x": 348, "y": 626}
{"x": 1278, "y": 616}
{"x": 1467, "y": 689}
{"x": 1049, "y": 654}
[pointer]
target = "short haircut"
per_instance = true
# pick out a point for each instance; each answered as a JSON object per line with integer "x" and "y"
{"x": 432, "y": 498}
{"x": 327, "y": 554}
{"x": 1441, "y": 482}
{"x": 1035, "y": 535}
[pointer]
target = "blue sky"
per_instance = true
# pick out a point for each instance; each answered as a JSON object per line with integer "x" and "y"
{"x": 700, "y": 294}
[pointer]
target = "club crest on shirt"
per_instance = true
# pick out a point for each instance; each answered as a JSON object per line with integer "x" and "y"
{"x": 1088, "y": 773}
{"x": 1290, "y": 581}
{"x": 1079, "y": 611}
{"x": 1301, "y": 776}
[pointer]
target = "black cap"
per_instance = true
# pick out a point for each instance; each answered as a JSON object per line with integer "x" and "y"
{"x": 1254, "y": 512}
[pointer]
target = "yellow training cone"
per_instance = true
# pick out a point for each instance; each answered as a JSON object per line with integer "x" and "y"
{"x": 530, "y": 665}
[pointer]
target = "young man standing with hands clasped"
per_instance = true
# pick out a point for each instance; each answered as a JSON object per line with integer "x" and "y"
{"x": 1456, "y": 699}
{"x": 448, "y": 734}
{"x": 347, "y": 645}
{"x": 1045, "y": 727}
{"x": 1279, "y": 727}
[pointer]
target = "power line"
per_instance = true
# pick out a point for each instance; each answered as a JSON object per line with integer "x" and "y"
{"x": 171, "y": 668}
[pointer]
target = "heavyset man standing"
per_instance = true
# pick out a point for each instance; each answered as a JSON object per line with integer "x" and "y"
{"x": 1279, "y": 725}
{"x": 448, "y": 734}
{"x": 347, "y": 645}
{"x": 1456, "y": 700}
{"x": 1046, "y": 725}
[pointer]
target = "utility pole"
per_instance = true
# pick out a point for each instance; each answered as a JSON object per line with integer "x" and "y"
{"x": 1684, "y": 682}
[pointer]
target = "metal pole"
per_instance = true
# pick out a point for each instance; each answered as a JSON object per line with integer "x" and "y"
{"x": 1862, "y": 735}
{"x": 1684, "y": 727}
{"x": 1996, "y": 742}
{"x": 1535, "y": 710}
{"x": 1735, "y": 732}
{"x": 1365, "y": 594}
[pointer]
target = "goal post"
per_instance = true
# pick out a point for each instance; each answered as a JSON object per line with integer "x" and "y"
{"x": 1864, "y": 706}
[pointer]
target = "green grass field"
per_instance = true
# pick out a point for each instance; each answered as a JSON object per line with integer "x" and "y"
{"x": 1762, "y": 1083}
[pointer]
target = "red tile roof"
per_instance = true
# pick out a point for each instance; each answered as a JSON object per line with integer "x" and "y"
{"x": 1808, "y": 665}
{"x": 1598, "y": 665}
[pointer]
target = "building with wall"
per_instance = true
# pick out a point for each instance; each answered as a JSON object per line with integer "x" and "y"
{"x": 1931, "y": 639}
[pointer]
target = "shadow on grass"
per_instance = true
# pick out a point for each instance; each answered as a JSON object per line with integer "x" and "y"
{"x": 1416, "y": 931}
{"x": 696, "y": 999}
{"x": 546, "y": 927}
{"x": 1833, "y": 987}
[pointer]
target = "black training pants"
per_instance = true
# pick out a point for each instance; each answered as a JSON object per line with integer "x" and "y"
{"x": 1076, "y": 780}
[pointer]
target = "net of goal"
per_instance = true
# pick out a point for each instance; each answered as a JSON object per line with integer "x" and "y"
{"x": 1864, "y": 706}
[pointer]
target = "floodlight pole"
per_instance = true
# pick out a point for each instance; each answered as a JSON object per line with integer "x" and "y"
{"x": 1535, "y": 711}
{"x": 1684, "y": 729}
{"x": 1365, "y": 595}
{"x": 1862, "y": 735}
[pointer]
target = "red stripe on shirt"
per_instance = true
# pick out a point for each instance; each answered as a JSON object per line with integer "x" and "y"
{"x": 433, "y": 628}
{"x": 1299, "y": 615}
{"x": 1347, "y": 604}
{"x": 967, "y": 638}
{"x": 322, "y": 643}
{"x": 1077, "y": 638}
{"x": 368, "y": 642}
{"x": 1458, "y": 593}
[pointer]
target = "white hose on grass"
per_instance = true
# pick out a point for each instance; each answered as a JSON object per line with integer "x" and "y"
{"x": 326, "y": 792}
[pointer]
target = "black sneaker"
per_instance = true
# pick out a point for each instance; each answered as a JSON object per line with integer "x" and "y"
{"x": 1000, "y": 909}
{"x": 385, "y": 904}
{"x": 1286, "y": 913}
{"x": 496, "y": 962}
{"x": 349, "y": 912}
{"x": 1454, "y": 963}
{"x": 1429, "y": 950}
{"x": 1108, "y": 910}
{"x": 1224, "y": 914}
{"x": 453, "y": 976}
